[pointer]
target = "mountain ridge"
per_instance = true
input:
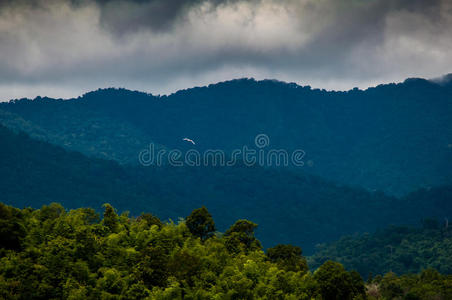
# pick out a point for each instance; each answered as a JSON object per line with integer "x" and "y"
{"x": 392, "y": 137}
{"x": 289, "y": 207}
{"x": 442, "y": 80}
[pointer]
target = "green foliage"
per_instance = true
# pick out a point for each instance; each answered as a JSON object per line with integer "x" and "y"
{"x": 12, "y": 230}
{"x": 150, "y": 220}
{"x": 74, "y": 255}
{"x": 336, "y": 283}
{"x": 200, "y": 223}
{"x": 240, "y": 237}
{"x": 111, "y": 219}
{"x": 288, "y": 257}
{"x": 429, "y": 284}
{"x": 398, "y": 249}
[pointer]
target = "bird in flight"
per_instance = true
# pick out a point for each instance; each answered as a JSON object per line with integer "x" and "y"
{"x": 189, "y": 140}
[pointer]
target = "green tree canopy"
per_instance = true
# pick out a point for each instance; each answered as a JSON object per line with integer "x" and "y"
{"x": 111, "y": 218}
{"x": 200, "y": 223}
{"x": 288, "y": 257}
{"x": 336, "y": 283}
{"x": 240, "y": 237}
{"x": 74, "y": 255}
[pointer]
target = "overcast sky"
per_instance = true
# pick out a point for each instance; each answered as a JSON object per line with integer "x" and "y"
{"x": 63, "y": 48}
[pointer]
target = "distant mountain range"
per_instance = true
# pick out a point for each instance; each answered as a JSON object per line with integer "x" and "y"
{"x": 395, "y": 138}
{"x": 289, "y": 205}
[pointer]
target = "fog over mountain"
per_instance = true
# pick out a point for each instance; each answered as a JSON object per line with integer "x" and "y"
{"x": 62, "y": 48}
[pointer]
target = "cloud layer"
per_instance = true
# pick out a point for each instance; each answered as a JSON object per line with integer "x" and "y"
{"x": 65, "y": 47}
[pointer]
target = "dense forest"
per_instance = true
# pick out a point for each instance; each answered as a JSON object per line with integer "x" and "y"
{"x": 399, "y": 249}
{"x": 225, "y": 150}
{"x": 51, "y": 253}
{"x": 290, "y": 206}
{"x": 380, "y": 161}
{"x": 395, "y": 138}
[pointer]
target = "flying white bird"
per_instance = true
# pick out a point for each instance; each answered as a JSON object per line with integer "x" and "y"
{"x": 189, "y": 140}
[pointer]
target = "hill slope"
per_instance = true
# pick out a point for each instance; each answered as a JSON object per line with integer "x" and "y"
{"x": 395, "y": 138}
{"x": 290, "y": 207}
{"x": 397, "y": 249}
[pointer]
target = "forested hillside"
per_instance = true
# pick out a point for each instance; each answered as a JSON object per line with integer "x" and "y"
{"x": 52, "y": 253}
{"x": 396, "y": 138}
{"x": 291, "y": 207}
{"x": 398, "y": 249}
{"x": 90, "y": 132}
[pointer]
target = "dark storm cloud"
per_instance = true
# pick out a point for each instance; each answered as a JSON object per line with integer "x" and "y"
{"x": 125, "y": 16}
{"x": 67, "y": 46}
{"x": 128, "y": 16}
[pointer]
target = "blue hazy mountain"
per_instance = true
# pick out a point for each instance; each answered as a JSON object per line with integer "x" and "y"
{"x": 288, "y": 205}
{"x": 395, "y": 138}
